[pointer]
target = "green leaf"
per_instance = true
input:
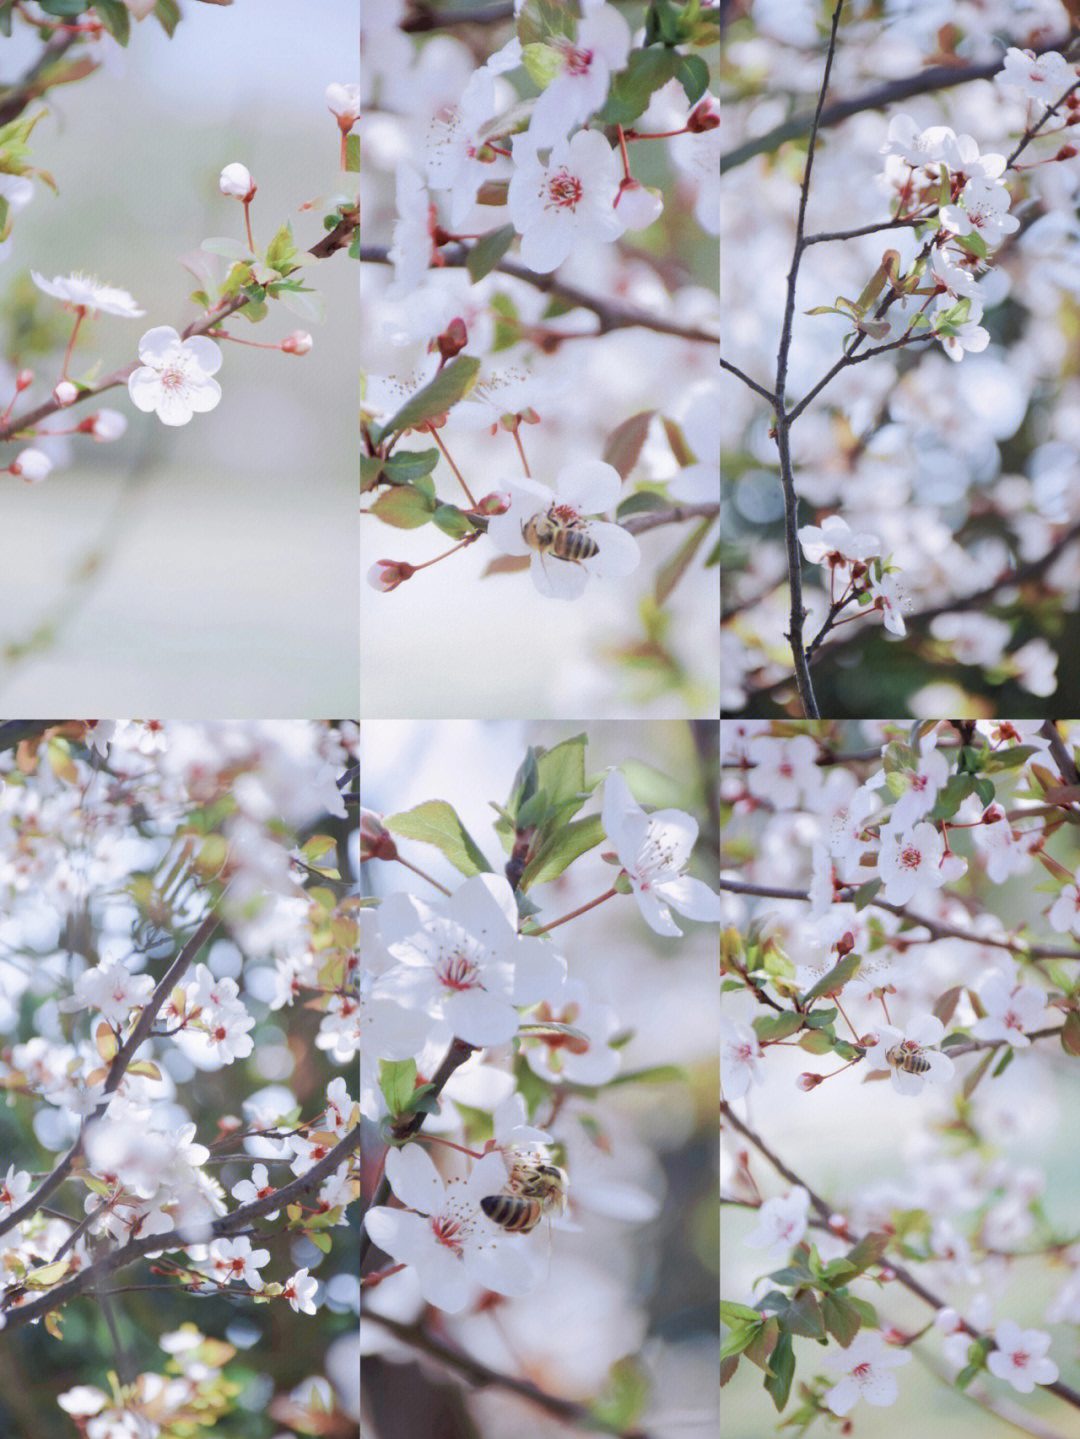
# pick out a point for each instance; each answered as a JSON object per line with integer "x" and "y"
{"x": 672, "y": 570}
{"x": 436, "y": 822}
{"x": 305, "y": 304}
{"x": 777, "y": 1026}
{"x": 836, "y": 978}
{"x": 559, "y": 851}
{"x": 781, "y": 1371}
{"x": 488, "y": 251}
{"x": 646, "y": 72}
{"x": 541, "y": 18}
{"x": 732, "y": 1314}
{"x": 397, "y": 1080}
{"x": 868, "y": 1251}
{"x": 451, "y": 384}
{"x": 542, "y": 63}
{"x": 406, "y": 507}
{"x": 652, "y": 1074}
{"x": 320, "y": 1241}
{"x": 842, "y": 1319}
{"x": 643, "y": 502}
{"x": 116, "y": 18}
{"x": 803, "y": 1316}
{"x": 66, "y": 8}
{"x": 453, "y": 522}
{"x": 167, "y": 14}
{"x": 404, "y": 465}
{"x": 561, "y": 771}
{"x": 693, "y": 76}
{"x": 227, "y": 246}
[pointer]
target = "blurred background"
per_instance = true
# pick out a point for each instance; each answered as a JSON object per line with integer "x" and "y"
{"x": 632, "y": 1296}
{"x": 212, "y": 567}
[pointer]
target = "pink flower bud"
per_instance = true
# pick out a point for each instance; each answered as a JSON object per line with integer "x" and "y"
{"x": 104, "y": 425}
{"x": 24, "y": 379}
{"x": 497, "y": 503}
{"x": 298, "y": 343}
{"x": 376, "y": 841}
{"x": 235, "y": 180}
{"x": 31, "y": 465}
{"x": 386, "y": 575}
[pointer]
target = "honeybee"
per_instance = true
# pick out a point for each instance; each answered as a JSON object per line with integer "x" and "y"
{"x": 533, "y": 1191}
{"x": 554, "y": 532}
{"x": 909, "y": 1057}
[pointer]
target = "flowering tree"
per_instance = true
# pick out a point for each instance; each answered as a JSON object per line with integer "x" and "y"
{"x": 899, "y": 1032}
{"x": 83, "y": 357}
{"x": 509, "y": 1024}
{"x": 179, "y": 1048}
{"x": 539, "y": 322}
{"x": 903, "y": 529}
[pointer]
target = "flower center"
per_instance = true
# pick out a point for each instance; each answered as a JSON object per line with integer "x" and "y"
{"x": 564, "y": 191}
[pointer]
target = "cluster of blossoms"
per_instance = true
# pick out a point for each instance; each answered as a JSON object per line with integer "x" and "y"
{"x": 954, "y": 476}
{"x": 896, "y": 974}
{"x": 454, "y": 156}
{"x": 460, "y": 972}
{"x": 175, "y": 376}
{"x": 218, "y": 805}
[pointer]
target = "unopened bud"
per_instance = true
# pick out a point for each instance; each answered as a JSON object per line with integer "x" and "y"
{"x": 31, "y": 465}
{"x": 704, "y": 116}
{"x": 104, "y": 425}
{"x": 66, "y": 393}
{"x": 809, "y": 1081}
{"x": 344, "y": 102}
{"x": 235, "y": 180}
{"x": 638, "y": 207}
{"x": 386, "y": 575}
{"x": 452, "y": 340}
{"x": 497, "y": 503}
{"x": 376, "y": 841}
{"x": 24, "y": 379}
{"x": 298, "y": 343}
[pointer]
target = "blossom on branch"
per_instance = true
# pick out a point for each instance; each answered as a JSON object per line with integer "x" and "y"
{"x": 175, "y": 378}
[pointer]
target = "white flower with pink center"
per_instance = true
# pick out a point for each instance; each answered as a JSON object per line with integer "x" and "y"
{"x": 915, "y": 860}
{"x": 586, "y": 63}
{"x": 1020, "y": 1357}
{"x": 175, "y": 377}
{"x": 463, "y": 961}
{"x": 558, "y": 204}
{"x": 865, "y": 1365}
{"x": 1010, "y": 1010}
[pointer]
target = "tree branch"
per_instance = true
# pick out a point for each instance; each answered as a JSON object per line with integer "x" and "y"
{"x": 339, "y": 237}
{"x": 654, "y": 519}
{"x": 120, "y": 1063}
{"x": 611, "y": 316}
{"x": 182, "y": 1237}
{"x": 940, "y": 77}
{"x": 482, "y": 1376}
{"x": 455, "y": 1056}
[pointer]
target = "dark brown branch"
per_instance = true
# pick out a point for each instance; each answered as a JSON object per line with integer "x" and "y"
{"x": 611, "y": 316}
{"x": 15, "y": 98}
{"x": 339, "y": 237}
{"x": 654, "y": 519}
{"x": 940, "y": 77}
{"x": 227, "y": 1224}
{"x": 120, "y": 1063}
{"x": 482, "y": 1376}
{"x": 906, "y": 1278}
{"x": 935, "y": 928}
{"x": 455, "y": 1056}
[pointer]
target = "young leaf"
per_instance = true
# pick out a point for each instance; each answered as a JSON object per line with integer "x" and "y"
{"x": 436, "y": 822}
